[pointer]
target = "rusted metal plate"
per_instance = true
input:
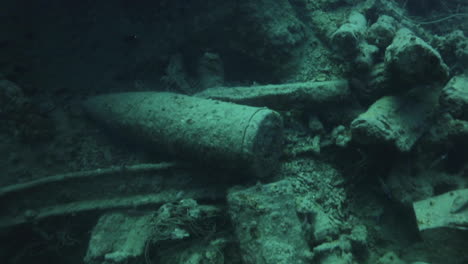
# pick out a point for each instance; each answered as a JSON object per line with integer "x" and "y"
{"x": 449, "y": 210}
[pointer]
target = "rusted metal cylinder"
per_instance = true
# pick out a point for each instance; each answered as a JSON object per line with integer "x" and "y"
{"x": 211, "y": 132}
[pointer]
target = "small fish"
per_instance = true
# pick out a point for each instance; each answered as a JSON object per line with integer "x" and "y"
{"x": 386, "y": 189}
{"x": 438, "y": 160}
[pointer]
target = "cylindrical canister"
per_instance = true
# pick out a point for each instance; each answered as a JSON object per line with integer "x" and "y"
{"x": 211, "y": 132}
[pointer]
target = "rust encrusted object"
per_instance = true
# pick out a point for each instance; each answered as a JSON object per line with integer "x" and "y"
{"x": 284, "y": 96}
{"x": 208, "y": 132}
{"x": 397, "y": 121}
{"x": 100, "y": 190}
